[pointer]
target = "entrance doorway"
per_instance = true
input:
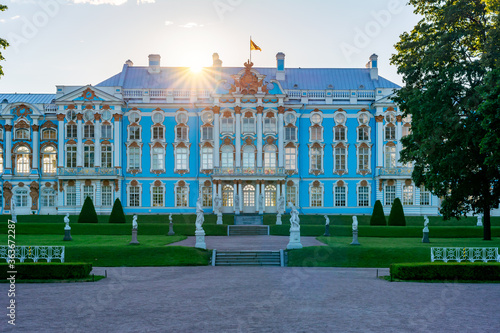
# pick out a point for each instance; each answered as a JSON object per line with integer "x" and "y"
{"x": 249, "y": 199}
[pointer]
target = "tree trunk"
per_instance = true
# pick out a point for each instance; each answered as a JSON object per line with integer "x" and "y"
{"x": 487, "y": 224}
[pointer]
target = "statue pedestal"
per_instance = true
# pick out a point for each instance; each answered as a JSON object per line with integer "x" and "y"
{"x": 171, "y": 229}
{"x": 327, "y": 230}
{"x": 355, "y": 238}
{"x": 237, "y": 212}
{"x": 67, "y": 235}
{"x": 294, "y": 240}
{"x": 425, "y": 238}
{"x": 278, "y": 219}
{"x": 479, "y": 224}
{"x": 219, "y": 218}
{"x": 200, "y": 239}
{"x": 134, "y": 238}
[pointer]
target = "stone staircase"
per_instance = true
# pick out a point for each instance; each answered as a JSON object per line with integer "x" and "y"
{"x": 247, "y": 230}
{"x": 248, "y": 220}
{"x": 248, "y": 258}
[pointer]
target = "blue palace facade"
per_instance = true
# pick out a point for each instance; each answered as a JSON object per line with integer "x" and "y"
{"x": 326, "y": 139}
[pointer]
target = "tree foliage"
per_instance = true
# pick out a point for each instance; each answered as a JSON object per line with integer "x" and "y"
{"x": 87, "y": 214}
{"x": 378, "y": 217}
{"x": 117, "y": 215}
{"x": 444, "y": 61}
{"x": 3, "y": 42}
{"x": 397, "y": 214}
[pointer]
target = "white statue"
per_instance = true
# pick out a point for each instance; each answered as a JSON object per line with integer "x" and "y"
{"x": 426, "y": 223}
{"x": 354, "y": 223}
{"x": 66, "y": 220}
{"x": 479, "y": 220}
{"x": 13, "y": 211}
{"x": 294, "y": 217}
{"x": 281, "y": 204}
{"x": 134, "y": 222}
{"x": 327, "y": 220}
{"x": 237, "y": 202}
{"x": 170, "y": 218}
{"x": 217, "y": 204}
{"x": 261, "y": 201}
{"x": 199, "y": 214}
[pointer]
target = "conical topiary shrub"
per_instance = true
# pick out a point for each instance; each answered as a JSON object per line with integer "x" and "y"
{"x": 117, "y": 215}
{"x": 88, "y": 214}
{"x": 378, "y": 217}
{"x": 397, "y": 216}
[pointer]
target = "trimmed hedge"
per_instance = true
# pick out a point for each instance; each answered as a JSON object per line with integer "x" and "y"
{"x": 44, "y": 270}
{"x": 117, "y": 215}
{"x": 467, "y": 271}
{"x": 378, "y": 217}
{"x": 87, "y": 214}
{"x": 397, "y": 215}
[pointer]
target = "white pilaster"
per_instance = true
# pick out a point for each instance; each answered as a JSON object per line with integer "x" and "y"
{"x": 60, "y": 146}
{"x": 257, "y": 195}
{"x": 216, "y": 138}
{"x": 399, "y": 132}
{"x": 240, "y": 193}
{"x": 259, "y": 138}
{"x": 238, "y": 137}
{"x": 36, "y": 144}
{"x": 79, "y": 141}
{"x": 117, "y": 140}
{"x": 380, "y": 144}
{"x": 97, "y": 137}
{"x": 281, "y": 138}
{"x": 8, "y": 144}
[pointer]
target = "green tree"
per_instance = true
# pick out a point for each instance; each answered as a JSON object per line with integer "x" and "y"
{"x": 397, "y": 215}
{"x": 443, "y": 64}
{"x": 117, "y": 215}
{"x": 378, "y": 217}
{"x": 3, "y": 42}
{"x": 87, "y": 214}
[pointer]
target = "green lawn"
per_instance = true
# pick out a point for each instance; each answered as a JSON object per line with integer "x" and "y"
{"x": 375, "y": 252}
{"x": 113, "y": 250}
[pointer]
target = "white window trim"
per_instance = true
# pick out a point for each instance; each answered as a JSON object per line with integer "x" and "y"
{"x": 369, "y": 134}
{"x": 385, "y": 156}
{"x": 65, "y": 199}
{"x": 296, "y": 158}
{"x": 112, "y": 131}
{"x": 358, "y": 185}
{"x": 369, "y": 159}
{"x": 346, "y": 194}
{"x": 139, "y": 185}
{"x": 254, "y": 130}
{"x": 29, "y": 201}
{"x": 335, "y": 171}
{"x": 296, "y": 134}
{"x": 322, "y": 187}
{"x": 322, "y": 149}
{"x": 221, "y": 116}
{"x": 188, "y": 159}
{"x": 403, "y": 194}
{"x": 140, "y": 158}
{"x": 130, "y": 113}
{"x": 385, "y": 195}
{"x": 151, "y": 195}
{"x": 22, "y": 129}
{"x": 275, "y": 117}
{"x": 128, "y": 133}
{"x": 346, "y": 133}
{"x": 47, "y": 130}
{"x": 322, "y": 133}
{"x": 66, "y": 131}
{"x": 201, "y": 158}
{"x": 82, "y": 194}
{"x": 292, "y": 113}
{"x": 151, "y": 169}
{"x": 175, "y": 195}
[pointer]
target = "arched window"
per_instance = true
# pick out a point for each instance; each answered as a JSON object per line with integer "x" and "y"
{"x": 49, "y": 134}
{"x": 248, "y": 156}
{"x": 21, "y": 197}
{"x": 48, "y": 198}
{"x": 227, "y": 196}
{"x": 49, "y": 160}
{"x": 249, "y": 195}
{"x": 158, "y": 196}
{"x": 270, "y": 156}
{"x": 22, "y": 134}
{"x": 22, "y": 160}
{"x": 227, "y": 156}
{"x": 270, "y": 195}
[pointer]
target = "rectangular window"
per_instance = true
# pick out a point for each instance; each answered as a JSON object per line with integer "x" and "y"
{"x": 316, "y": 133}
{"x": 71, "y": 131}
{"x": 248, "y": 125}
{"x": 291, "y": 194}
{"x": 339, "y": 133}
{"x": 181, "y": 160}
{"x": 363, "y": 159}
{"x": 290, "y": 158}
{"x": 390, "y": 194}
{"x": 425, "y": 196}
{"x": 158, "y": 196}
{"x": 226, "y": 125}
{"x": 290, "y": 133}
{"x": 390, "y": 156}
{"x": 207, "y": 158}
{"x": 70, "y": 195}
{"x": 134, "y": 193}
{"x": 249, "y": 158}
{"x": 106, "y": 196}
{"x": 207, "y": 133}
{"x": 181, "y": 196}
{"x": 134, "y": 133}
{"x": 71, "y": 156}
{"x": 134, "y": 158}
{"x": 48, "y": 198}
{"x": 206, "y": 192}
{"x": 316, "y": 197}
{"x": 227, "y": 159}
{"x": 106, "y": 156}
{"x": 269, "y": 125}
{"x": 181, "y": 133}
{"x": 158, "y": 159}
{"x": 106, "y": 132}
{"x": 390, "y": 133}
{"x": 88, "y": 131}
{"x": 88, "y": 156}
{"x": 340, "y": 196}
{"x": 340, "y": 159}
{"x": 408, "y": 195}
{"x": 88, "y": 191}
{"x": 316, "y": 159}
{"x": 158, "y": 133}
{"x": 363, "y": 196}
{"x": 363, "y": 133}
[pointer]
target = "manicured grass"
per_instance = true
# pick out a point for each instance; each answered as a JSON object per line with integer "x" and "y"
{"x": 476, "y": 271}
{"x": 375, "y": 252}
{"x": 90, "y": 278}
{"x": 113, "y": 251}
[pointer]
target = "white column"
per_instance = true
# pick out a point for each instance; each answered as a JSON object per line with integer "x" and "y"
{"x": 240, "y": 193}
{"x": 97, "y": 137}
{"x": 117, "y": 140}
{"x": 259, "y": 136}
{"x": 36, "y": 144}
{"x": 8, "y": 143}
{"x": 214, "y": 193}
{"x": 79, "y": 140}
{"x": 257, "y": 194}
{"x": 380, "y": 141}
{"x": 216, "y": 137}
{"x": 278, "y": 190}
{"x": 235, "y": 193}
{"x": 60, "y": 135}
{"x": 398, "y": 138}
{"x": 281, "y": 138}
{"x": 238, "y": 136}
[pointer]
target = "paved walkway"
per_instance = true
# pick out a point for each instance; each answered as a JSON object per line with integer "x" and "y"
{"x": 231, "y": 243}
{"x": 251, "y": 299}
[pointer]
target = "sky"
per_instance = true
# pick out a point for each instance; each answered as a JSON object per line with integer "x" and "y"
{"x": 79, "y": 42}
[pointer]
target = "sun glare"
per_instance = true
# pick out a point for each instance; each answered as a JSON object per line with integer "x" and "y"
{"x": 196, "y": 68}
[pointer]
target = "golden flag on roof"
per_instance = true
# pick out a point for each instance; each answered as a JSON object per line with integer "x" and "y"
{"x": 253, "y": 46}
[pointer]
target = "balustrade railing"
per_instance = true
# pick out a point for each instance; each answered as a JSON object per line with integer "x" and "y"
{"x": 459, "y": 254}
{"x": 88, "y": 171}
{"x": 402, "y": 171}
{"x": 34, "y": 253}
{"x": 249, "y": 171}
